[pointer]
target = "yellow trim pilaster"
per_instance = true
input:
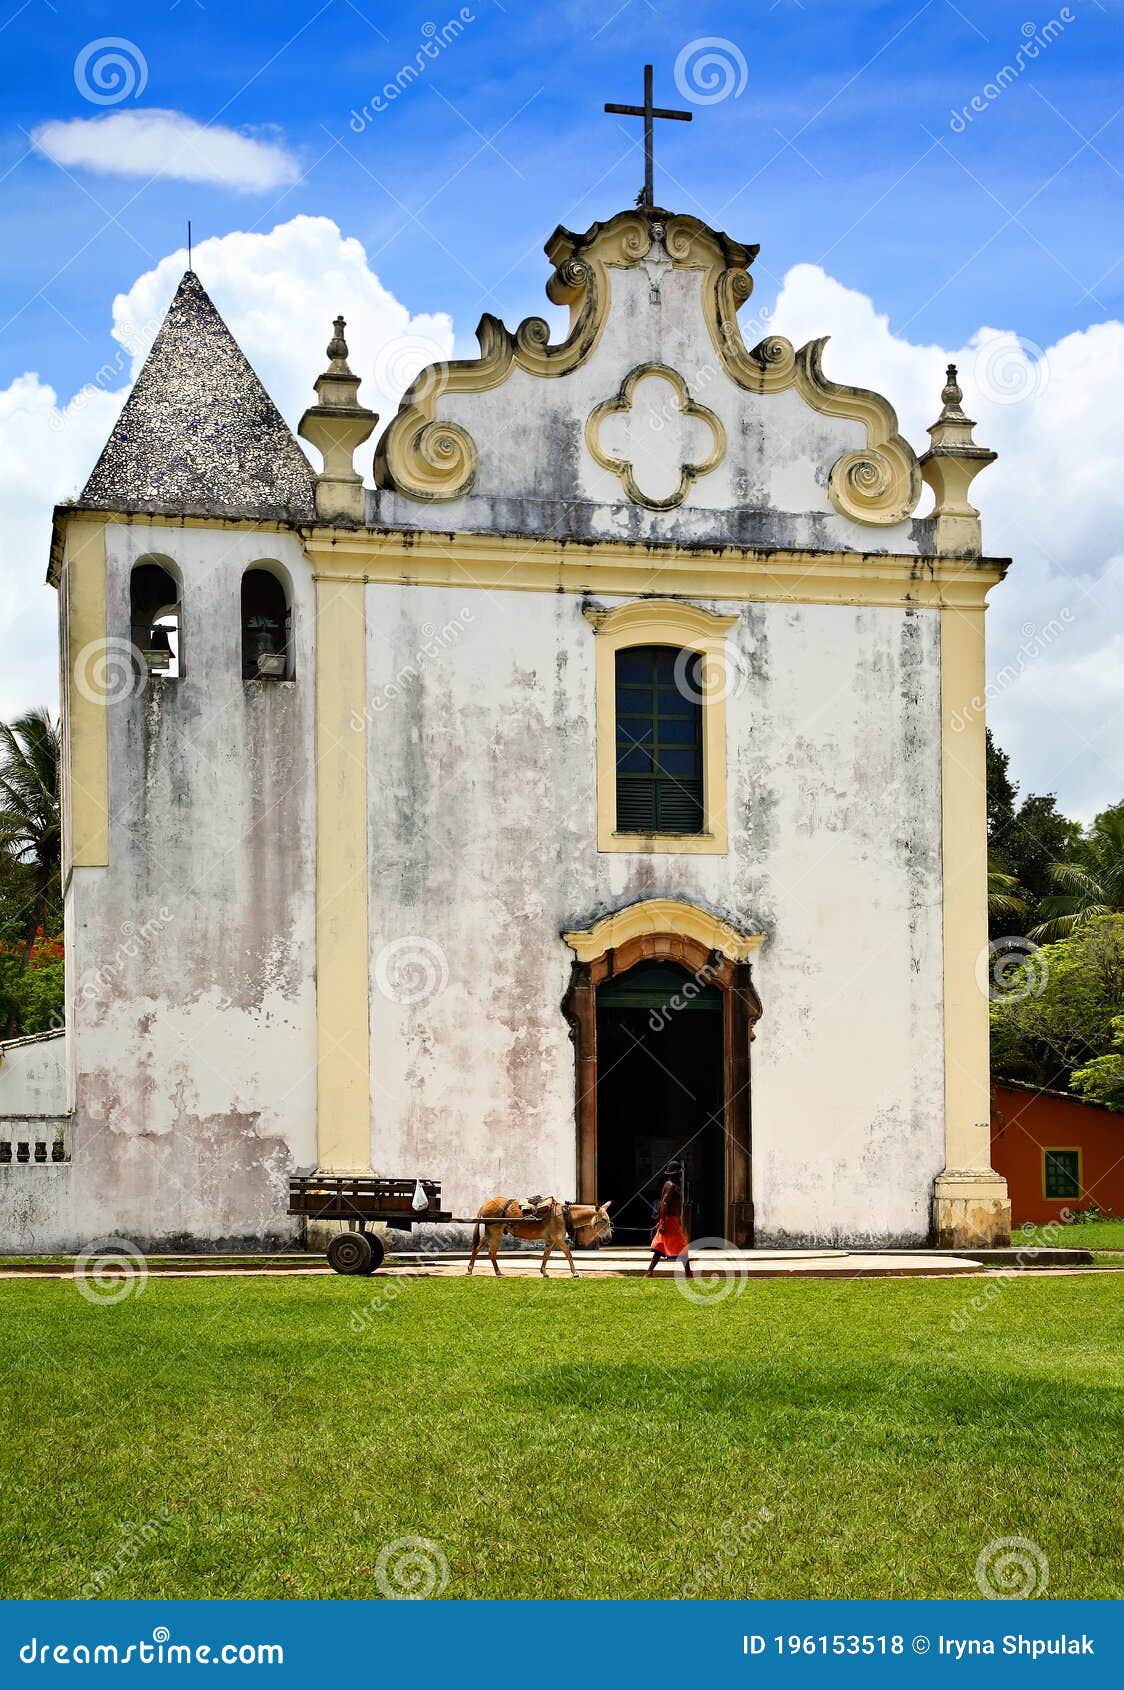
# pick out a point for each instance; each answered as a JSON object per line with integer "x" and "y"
{"x": 87, "y": 674}
{"x": 343, "y": 1084}
{"x": 970, "y": 1199}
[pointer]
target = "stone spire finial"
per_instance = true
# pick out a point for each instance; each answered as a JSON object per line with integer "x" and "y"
{"x": 336, "y": 425}
{"x": 337, "y": 349}
{"x": 951, "y": 397}
{"x": 949, "y": 467}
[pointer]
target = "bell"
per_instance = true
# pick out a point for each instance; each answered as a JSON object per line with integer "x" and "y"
{"x": 158, "y": 650}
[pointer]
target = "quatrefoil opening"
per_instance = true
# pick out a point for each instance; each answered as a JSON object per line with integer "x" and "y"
{"x": 667, "y": 427}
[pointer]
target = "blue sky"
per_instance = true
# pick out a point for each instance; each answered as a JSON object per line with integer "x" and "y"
{"x": 1009, "y": 221}
{"x": 908, "y": 192}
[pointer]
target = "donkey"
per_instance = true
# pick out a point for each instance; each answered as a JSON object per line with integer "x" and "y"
{"x": 551, "y": 1221}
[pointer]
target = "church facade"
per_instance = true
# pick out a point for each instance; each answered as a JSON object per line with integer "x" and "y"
{"x": 603, "y": 788}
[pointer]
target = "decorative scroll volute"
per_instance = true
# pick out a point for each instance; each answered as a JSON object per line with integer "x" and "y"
{"x": 430, "y": 459}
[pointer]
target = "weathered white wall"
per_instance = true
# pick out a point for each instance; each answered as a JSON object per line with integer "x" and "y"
{"x": 537, "y": 475}
{"x": 33, "y": 1075}
{"x": 34, "y": 1196}
{"x": 191, "y": 990}
{"x": 483, "y": 850}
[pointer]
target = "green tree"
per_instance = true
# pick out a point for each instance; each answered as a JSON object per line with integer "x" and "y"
{"x": 1023, "y": 839}
{"x": 30, "y": 826}
{"x": 1088, "y": 881}
{"x": 1102, "y": 1079}
{"x": 1056, "y": 1012}
{"x": 1001, "y": 791}
{"x": 1006, "y": 904}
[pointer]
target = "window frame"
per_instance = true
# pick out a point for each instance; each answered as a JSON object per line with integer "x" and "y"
{"x": 1063, "y": 1150}
{"x": 687, "y": 627}
{"x": 647, "y": 705}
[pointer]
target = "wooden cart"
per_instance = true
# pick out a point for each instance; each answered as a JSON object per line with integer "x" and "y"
{"x": 360, "y": 1200}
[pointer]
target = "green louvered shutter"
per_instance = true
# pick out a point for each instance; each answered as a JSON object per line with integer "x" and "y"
{"x": 659, "y": 741}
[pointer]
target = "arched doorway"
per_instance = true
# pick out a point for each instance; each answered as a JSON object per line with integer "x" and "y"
{"x": 663, "y": 984}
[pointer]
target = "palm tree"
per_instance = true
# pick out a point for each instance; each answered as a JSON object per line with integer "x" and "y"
{"x": 1005, "y": 897}
{"x": 1088, "y": 881}
{"x": 30, "y": 826}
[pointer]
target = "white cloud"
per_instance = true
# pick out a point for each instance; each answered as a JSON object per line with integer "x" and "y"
{"x": 1054, "y": 501}
{"x": 167, "y": 143}
{"x": 278, "y": 293}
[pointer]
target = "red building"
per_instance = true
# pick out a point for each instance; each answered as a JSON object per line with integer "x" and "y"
{"x": 1055, "y": 1152}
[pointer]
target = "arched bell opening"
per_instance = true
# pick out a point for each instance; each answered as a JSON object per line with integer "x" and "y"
{"x": 266, "y": 624}
{"x": 155, "y": 625}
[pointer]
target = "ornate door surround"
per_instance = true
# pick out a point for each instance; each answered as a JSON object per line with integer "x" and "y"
{"x": 665, "y": 930}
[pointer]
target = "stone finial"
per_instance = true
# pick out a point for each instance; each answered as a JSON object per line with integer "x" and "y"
{"x": 949, "y": 467}
{"x": 950, "y": 397}
{"x": 337, "y": 349}
{"x": 336, "y": 425}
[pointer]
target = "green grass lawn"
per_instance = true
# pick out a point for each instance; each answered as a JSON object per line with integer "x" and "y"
{"x": 1090, "y": 1235}
{"x": 241, "y": 1438}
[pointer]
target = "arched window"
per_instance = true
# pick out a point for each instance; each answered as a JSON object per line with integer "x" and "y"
{"x": 154, "y": 619}
{"x": 662, "y": 676}
{"x": 265, "y": 627}
{"x": 659, "y": 740}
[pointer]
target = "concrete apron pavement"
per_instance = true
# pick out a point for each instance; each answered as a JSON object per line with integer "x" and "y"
{"x": 613, "y": 1262}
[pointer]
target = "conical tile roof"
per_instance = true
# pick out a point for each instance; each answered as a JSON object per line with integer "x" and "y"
{"x": 199, "y": 433}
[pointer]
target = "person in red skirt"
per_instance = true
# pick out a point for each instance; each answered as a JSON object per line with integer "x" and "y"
{"x": 670, "y": 1242}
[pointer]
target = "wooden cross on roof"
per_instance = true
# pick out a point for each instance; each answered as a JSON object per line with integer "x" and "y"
{"x": 648, "y": 111}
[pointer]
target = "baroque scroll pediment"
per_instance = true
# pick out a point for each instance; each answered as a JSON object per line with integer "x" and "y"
{"x": 426, "y": 455}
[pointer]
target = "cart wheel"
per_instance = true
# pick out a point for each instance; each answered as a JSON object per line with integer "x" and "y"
{"x": 378, "y": 1251}
{"x": 350, "y": 1252}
